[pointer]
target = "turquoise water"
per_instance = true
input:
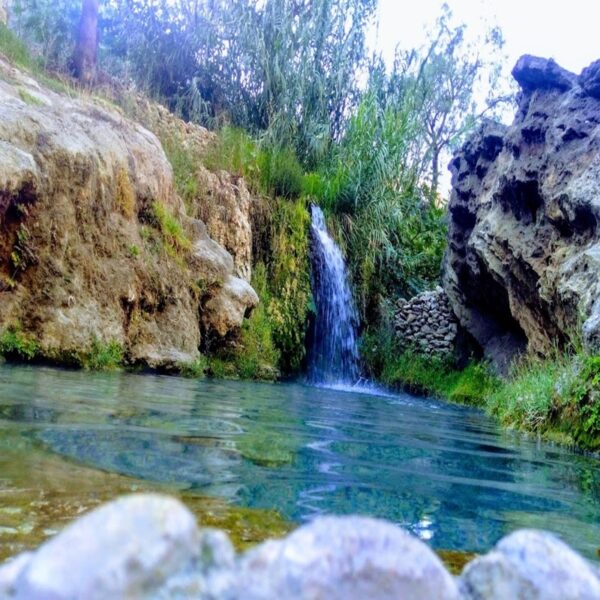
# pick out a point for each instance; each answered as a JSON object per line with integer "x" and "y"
{"x": 446, "y": 473}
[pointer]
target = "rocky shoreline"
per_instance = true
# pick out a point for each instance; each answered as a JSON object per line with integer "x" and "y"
{"x": 150, "y": 546}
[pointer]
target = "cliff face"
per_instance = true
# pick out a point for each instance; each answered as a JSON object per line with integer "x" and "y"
{"x": 523, "y": 265}
{"x": 96, "y": 246}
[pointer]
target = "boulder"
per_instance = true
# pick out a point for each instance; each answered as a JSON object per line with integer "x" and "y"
{"x": 125, "y": 549}
{"x": 535, "y": 73}
{"x": 589, "y": 79}
{"x": 84, "y": 255}
{"x": 522, "y": 268}
{"x": 530, "y": 565}
{"x": 344, "y": 558}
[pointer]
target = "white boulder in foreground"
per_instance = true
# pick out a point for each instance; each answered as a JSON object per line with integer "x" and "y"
{"x": 150, "y": 547}
{"x": 530, "y": 565}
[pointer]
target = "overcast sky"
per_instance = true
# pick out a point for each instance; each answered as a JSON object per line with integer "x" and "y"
{"x": 568, "y": 31}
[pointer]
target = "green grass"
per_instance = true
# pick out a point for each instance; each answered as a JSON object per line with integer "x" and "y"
{"x": 29, "y": 99}
{"x": 14, "y": 344}
{"x": 434, "y": 375}
{"x": 254, "y": 355}
{"x": 102, "y": 356}
{"x": 14, "y": 49}
{"x": 196, "y": 369}
{"x": 558, "y": 398}
{"x": 171, "y": 229}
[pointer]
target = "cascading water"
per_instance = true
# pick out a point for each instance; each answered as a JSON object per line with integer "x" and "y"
{"x": 333, "y": 356}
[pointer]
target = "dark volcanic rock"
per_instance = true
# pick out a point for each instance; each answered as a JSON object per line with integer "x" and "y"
{"x": 533, "y": 73}
{"x": 523, "y": 264}
{"x": 589, "y": 79}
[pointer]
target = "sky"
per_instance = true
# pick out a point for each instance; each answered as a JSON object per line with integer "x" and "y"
{"x": 566, "y": 30}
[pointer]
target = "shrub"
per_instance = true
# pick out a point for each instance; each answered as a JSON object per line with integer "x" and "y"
{"x": 14, "y": 49}
{"x": 196, "y": 369}
{"x": 102, "y": 356}
{"x": 17, "y": 345}
{"x": 280, "y": 173}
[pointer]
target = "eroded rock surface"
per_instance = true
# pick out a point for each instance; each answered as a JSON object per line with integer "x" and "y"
{"x": 83, "y": 258}
{"x": 523, "y": 265}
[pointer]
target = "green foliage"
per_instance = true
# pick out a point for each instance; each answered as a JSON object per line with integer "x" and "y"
{"x": 236, "y": 152}
{"x": 14, "y": 48}
{"x": 280, "y": 173}
{"x": 425, "y": 374}
{"x": 557, "y": 395}
{"x": 196, "y": 369}
{"x": 102, "y": 356}
{"x": 584, "y": 403}
{"x": 15, "y": 344}
{"x": 289, "y": 281}
{"x": 170, "y": 228}
{"x": 254, "y": 355}
{"x": 48, "y": 27}
{"x": 29, "y": 98}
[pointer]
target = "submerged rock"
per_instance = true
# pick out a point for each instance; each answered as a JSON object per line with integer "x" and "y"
{"x": 530, "y": 565}
{"x": 522, "y": 269}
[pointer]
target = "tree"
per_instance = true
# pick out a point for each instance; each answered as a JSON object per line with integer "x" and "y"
{"x": 86, "y": 50}
{"x": 446, "y": 79}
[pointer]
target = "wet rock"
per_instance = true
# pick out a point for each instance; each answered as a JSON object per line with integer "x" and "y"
{"x": 344, "y": 558}
{"x": 124, "y": 549}
{"x": 530, "y": 565}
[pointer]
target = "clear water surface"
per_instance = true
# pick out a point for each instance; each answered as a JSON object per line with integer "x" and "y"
{"x": 448, "y": 474}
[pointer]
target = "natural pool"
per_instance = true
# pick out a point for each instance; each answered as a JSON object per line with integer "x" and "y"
{"x": 69, "y": 440}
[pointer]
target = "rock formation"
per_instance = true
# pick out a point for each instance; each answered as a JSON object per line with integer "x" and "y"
{"x": 149, "y": 546}
{"x": 427, "y": 323}
{"x": 96, "y": 246}
{"x": 522, "y": 270}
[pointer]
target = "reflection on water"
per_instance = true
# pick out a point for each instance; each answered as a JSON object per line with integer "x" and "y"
{"x": 446, "y": 473}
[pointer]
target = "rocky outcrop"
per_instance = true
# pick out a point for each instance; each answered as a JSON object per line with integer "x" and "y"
{"x": 149, "y": 546}
{"x": 522, "y": 270}
{"x": 426, "y": 323}
{"x": 225, "y": 205}
{"x": 96, "y": 246}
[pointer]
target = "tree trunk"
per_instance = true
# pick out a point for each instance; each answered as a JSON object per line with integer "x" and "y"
{"x": 435, "y": 173}
{"x": 84, "y": 59}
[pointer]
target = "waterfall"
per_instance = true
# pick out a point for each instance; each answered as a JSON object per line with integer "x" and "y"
{"x": 333, "y": 355}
